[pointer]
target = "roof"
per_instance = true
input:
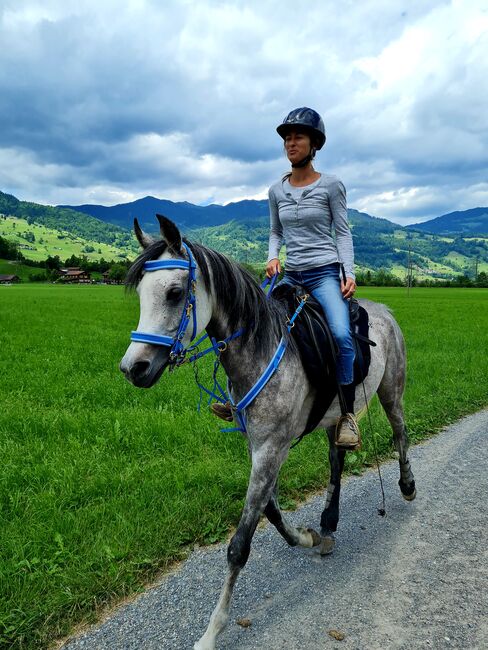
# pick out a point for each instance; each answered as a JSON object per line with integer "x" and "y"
{"x": 74, "y": 273}
{"x": 8, "y": 278}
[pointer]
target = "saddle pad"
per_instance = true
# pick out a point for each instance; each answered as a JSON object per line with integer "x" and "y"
{"x": 318, "y": 349}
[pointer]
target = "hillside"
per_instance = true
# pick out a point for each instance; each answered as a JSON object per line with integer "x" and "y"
{"x": 66, "y": 221}
{"x": 11, "y": 267}
{"x": 474, "y": 222}
{"x": 376, "y": 245}
{"x": 36, "y": 242}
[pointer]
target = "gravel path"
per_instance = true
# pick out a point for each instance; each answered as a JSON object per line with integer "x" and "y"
{"x": 417, "y": 578}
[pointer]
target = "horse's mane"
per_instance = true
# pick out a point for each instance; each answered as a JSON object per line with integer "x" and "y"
{"x": 237, "y": 293}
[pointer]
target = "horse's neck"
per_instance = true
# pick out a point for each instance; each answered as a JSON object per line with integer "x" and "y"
{"x": 243, "y": 364}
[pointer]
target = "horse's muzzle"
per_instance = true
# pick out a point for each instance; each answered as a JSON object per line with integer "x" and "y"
{"x": 144, "y": 373}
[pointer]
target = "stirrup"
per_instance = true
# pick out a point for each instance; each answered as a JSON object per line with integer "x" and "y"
{"x": 348, "y": 445}
{"x": 223, "y": 411}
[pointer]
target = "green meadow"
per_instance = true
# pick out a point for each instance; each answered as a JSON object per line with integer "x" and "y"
{"x": 103, "y": 485}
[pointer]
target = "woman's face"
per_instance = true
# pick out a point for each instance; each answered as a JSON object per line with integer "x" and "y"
{"x": 297, "y": 145}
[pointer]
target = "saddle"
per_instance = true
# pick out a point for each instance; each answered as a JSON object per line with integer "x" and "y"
{"x": 318, "y": 348}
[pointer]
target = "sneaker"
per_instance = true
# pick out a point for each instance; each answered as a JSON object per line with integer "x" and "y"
{"x": 347, "y": 433}
{"x": 223, "y": 411}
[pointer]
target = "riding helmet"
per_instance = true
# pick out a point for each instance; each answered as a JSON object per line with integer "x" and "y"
{"x": 308, "y": 120}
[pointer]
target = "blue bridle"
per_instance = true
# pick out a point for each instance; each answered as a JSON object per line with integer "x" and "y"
{"x": 189, "y": 310}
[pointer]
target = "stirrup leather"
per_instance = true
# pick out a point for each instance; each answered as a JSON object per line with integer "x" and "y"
{"x": 347, "y": 439}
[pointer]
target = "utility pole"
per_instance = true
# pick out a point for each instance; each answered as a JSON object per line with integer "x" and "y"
{"x": 475, "y": 269}
{"x": 409, "y": 270}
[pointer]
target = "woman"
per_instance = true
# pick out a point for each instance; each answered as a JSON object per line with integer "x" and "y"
{"x": 304, "y": 205}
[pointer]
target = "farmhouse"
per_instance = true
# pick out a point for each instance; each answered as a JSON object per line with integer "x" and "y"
{"x": 8, "y": 279}
{"x": 75, "y": 275}
{"x": 108, "y": 280}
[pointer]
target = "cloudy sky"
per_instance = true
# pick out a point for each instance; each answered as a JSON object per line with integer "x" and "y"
{"x": 106, "y": 102}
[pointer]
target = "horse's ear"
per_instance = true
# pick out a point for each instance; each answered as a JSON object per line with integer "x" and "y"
{"x": 170, "y": 233}
{"x": 143, "y": 239}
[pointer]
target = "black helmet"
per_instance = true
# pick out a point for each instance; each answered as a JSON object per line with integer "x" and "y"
{"x": 309, "y": 120}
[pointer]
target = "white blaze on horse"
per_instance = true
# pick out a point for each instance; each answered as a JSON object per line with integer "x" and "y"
{"x": 225, "y": 298}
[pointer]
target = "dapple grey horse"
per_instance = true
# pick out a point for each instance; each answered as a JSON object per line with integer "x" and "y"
{"x": 228, "y": 298}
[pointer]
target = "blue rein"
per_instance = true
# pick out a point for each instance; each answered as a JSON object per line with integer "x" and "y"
{"x": 178, "y": 353}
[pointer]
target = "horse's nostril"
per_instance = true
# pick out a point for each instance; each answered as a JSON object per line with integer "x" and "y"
{"x": 139, "y": 369}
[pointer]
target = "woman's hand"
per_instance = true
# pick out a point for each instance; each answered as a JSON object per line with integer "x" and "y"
{"x": 348, "y": 289}
{"x": 273, "y": 267}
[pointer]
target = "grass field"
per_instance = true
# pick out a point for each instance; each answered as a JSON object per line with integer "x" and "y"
{"x": 102, "y": 485}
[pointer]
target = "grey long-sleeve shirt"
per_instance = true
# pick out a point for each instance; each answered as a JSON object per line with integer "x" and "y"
{"x": 305, "y": 225}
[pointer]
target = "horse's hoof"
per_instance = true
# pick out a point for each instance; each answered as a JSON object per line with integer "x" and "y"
{"x": 316, "y": 538}
{"x": 309, "y": 537}
{"x": 203, "y": 646}
{"x": 408, "y": 491}
{"x": 410, "y": 497}
{"x": 326, "y": 545}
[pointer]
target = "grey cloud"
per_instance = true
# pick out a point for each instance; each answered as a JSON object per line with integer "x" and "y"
{"x": 182, "y": 99}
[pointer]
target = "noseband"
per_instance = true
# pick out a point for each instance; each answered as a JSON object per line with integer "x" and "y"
{"x": 189, "y": 310}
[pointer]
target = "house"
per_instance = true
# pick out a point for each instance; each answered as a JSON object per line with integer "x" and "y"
{"x": 8, "y": 279}
{"x": 108, "y": 280}
{"x": 75, "y": 275}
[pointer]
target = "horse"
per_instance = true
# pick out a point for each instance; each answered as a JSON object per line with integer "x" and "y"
{"x": 224, "y": 298}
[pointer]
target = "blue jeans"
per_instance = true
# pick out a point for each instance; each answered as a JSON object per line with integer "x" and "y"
{"x": 324, "y": 283}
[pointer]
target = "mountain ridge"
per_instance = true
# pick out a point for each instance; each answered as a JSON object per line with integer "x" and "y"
{"x": 474, "y": 220}
{"x": 189, "y": 215}
{"x": 242, "y": 231}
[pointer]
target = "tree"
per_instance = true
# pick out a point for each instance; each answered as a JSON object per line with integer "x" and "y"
{"x": 117, "y": 272}
{"x": 53, "y": 262}
{"x": 482, "y": 279}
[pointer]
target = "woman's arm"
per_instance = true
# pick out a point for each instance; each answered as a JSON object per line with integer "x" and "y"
{"x": 344, "y": 243}
{"x": 275, "y": 228}
{"x": 338, "y": 208}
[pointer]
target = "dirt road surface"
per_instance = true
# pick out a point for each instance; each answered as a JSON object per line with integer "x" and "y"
{"x": 417, "y": 578}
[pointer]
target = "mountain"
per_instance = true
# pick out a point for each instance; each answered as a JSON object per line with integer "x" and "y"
{"x": 186, "y": 215}
{"x": 190, "y": 216}
{"x": 474, "y": 222}
{"x": 241, "y": 230}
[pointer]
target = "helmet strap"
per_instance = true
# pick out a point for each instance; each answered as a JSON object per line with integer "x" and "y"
{"x": 304, "y": 162}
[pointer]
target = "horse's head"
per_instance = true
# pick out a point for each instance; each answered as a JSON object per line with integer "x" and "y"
{"x": 162, "y": 295}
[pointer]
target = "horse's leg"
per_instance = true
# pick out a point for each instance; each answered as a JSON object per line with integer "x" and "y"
{"x": 330, "y": 515}
{"x": 306, "y": 537}
{"x": 266, "y": 463}
{"x": 394, "y": 413}
{"x": 390, "y": 393}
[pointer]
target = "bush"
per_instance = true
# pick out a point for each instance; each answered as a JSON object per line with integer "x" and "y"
{"x": 37, "y": 277}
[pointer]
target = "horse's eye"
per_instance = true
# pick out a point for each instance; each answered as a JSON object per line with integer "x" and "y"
{"x": 174, "y": 294}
